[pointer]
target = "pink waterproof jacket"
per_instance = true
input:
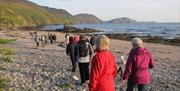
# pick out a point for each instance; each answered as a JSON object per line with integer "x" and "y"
{"x": 103, "y": 72}
{"x": 137, "y": 66}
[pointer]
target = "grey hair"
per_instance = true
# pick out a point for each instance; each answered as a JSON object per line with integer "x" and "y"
{"x": 137, "y": 41}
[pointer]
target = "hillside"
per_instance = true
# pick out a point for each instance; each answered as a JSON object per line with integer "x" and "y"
{"x": 60, "y": 13}
{"x": 20, "y": 13}
{"x": 86, "y": 18}
{"x": 122, "y": 20}
{"x": 17, "y": 13}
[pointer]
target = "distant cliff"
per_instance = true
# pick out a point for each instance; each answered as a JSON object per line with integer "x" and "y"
{"x": 122, "y": 20}
{"x": 86, "y": 18}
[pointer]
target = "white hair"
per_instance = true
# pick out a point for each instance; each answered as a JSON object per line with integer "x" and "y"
{"x": 137, "y": 41}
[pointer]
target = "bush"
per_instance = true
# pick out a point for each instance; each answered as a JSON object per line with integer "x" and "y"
{"x": 5, "y": 41}
{"x": 6, "y": 54}
{"x": 3, "y": 83}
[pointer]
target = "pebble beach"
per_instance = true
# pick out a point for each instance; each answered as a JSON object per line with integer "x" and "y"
{"x": 49, "y": 68}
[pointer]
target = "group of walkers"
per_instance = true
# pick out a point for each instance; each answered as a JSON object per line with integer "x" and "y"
{"x": 103, "y": 69}
{"x": 44, "y": 39}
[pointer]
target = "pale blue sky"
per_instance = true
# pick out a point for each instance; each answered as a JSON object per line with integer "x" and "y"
{"x": 140, "y": 10}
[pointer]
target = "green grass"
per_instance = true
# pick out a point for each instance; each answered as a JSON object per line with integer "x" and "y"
{"x": 2, "y": 68}
{"x": 15, "y": 14}
{"x": 67, "y": 85}
{"x": 6, "y": 54}
{"x": 3, "y": 83}
{"x": 5, "y": 41}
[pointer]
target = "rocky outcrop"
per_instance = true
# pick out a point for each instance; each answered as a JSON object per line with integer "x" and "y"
{"x": 71, "y": 29}
{"x": 122, "y": 20}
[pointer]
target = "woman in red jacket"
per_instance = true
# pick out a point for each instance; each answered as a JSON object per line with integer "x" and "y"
{"x": 103, "y": 68}
{"x": 137, "y": 67}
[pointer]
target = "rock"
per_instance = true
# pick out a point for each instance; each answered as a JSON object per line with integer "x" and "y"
{"x": 75, "y": 77}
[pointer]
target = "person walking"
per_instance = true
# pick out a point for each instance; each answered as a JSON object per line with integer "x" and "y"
{"x": 66, "y": 42}
{"x": 51, "y": 38}
{"x": 103, "y": 67}
{"x": 93, "y": 42}
{"x": 139, "y": 62}
{"x": 54, "y": 38}
{"x": 43, "y": 40}
{"x": 70, "y": 50}
{"x": 84, "y": 52}
{"x": 36, "y": 38}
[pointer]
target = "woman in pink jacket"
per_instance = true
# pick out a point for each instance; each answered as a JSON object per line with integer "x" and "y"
{"x": 137, "y": 67}
{"x": 103, "y": 68}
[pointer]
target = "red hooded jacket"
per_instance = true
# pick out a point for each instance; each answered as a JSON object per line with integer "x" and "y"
{"x": 103, "y": 72}
{"x": 137, "y": 66}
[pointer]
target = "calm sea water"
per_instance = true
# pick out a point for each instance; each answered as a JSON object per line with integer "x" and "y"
{"x": 166, "y": 30}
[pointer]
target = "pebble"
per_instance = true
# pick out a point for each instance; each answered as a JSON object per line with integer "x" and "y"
{"x": 47, "y": 69}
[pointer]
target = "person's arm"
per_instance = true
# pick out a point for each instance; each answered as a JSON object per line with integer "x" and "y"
{"x": 115, "y": 67}
{"x": 152, "y": 62}
{"x": 128, "y": 68}
{"x": 91, "y": 49}
{"x": 94, "y": 74}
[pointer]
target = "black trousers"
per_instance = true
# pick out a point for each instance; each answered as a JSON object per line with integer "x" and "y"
{"x": 84, "y": 72}
{"x": 37, "y": 44}
{"x": 73, "y": 61}
{"x": 141, "y": 87}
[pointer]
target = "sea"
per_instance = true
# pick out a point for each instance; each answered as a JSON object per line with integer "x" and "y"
{"x": 165, "y": 30}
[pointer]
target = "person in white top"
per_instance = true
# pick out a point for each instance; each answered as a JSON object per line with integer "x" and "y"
{"x": 84, "y": 52}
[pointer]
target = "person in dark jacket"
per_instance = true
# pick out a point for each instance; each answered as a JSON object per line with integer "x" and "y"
{"x": 70, "y": 50}
{"x": 84, "y": 52}
{"x": 93, "y": 42}
{"x": 50, "y": 38}
{"x": 137, "y": 67}
{"x": 54, "y": 39}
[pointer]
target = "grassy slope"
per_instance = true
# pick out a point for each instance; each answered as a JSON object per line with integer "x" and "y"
{"x": 15, "y": 14}
{"x": 86, "y": 18}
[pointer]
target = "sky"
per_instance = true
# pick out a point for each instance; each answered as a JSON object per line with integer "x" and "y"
{"x": 140, "y": 10}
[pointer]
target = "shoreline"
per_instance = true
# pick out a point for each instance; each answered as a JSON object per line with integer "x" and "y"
{"x": 111, "y": 35}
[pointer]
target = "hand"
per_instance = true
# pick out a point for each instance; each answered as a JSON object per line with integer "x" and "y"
{"x": 122, "y": 57}
{"x": 123, "y": 61}
{"x": 124, "y": 82}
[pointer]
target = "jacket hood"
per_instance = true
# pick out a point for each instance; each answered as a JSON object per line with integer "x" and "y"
{"x": 140, "y": 50}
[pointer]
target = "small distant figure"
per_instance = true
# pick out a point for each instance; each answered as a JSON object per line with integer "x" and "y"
{"x": 43, "y": 40}
{"x": 66, "y": 42}
{"x": 70, "y": 51}
{"x": 54, "y": 39}
{"x": 46, "y": 39}
{"x": 36, "y": 38}
{"x": 84, "y": 52}
{"x": 67, "y": 35}
{"x": 50, "y": 38}
{"x": 103, "y": 67}
{"x": 139, "y": 62}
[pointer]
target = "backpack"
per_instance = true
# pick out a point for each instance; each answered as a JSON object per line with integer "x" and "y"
{"x": 83, "y": 48}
